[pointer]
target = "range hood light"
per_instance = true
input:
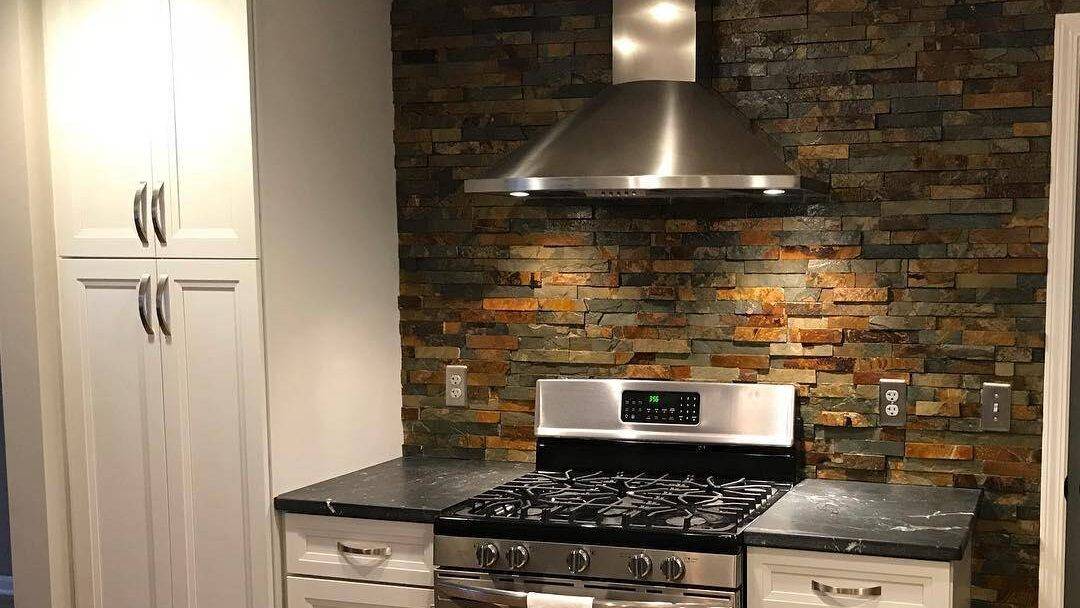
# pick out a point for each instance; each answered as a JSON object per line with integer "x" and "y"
{"x": 664, "y": 12}
{"x": 524, "y": 194}
{"x": 625, "y": 46}
{"x": 773, "y": 192}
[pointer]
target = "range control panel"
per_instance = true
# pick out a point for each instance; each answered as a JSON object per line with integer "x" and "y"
{"x": 661, "y": 407}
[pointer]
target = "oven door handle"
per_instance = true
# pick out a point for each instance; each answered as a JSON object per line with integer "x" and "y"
{"x": 517, "y": 599}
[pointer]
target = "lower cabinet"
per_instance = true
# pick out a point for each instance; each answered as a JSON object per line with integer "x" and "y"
{"x": 165, "y": 411}
{"x": 320, "y": 593}
{"x": 372, "y": 562}
{"x": 785, "y": 578}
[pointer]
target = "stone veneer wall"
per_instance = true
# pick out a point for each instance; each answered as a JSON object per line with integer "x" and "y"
{"x": 929, "y": 117}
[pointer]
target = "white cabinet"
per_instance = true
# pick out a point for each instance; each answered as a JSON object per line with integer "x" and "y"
{"x": 154, "y": 173}
{"x": 115, "y": 428}
{"x": 373, "y": 558}
{"x": 215, "y": 432}
{"x": 315, "y": 593}
{"x": 785, "y": 578}
{"x": 101, "y": 126}
{"x": 165, "y": 406}
{"x": 209, "y": 208}
{"x": 314, "y": 547}
{"x": 151, "y": 128}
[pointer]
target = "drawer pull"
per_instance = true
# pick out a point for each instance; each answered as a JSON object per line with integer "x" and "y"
{"x": 365, "y": 551}
{"x": 848, "y": 591}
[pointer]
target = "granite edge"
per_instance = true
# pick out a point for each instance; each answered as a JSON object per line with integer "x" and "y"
{"x": 353, "y": 511}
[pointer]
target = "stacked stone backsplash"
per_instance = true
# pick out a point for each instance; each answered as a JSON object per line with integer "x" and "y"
{"x": 930, "y": 119}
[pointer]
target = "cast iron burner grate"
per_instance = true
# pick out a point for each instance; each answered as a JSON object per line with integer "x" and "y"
{"x": 628, "y": 501}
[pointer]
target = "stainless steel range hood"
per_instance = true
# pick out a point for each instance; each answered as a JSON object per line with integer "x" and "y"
{"x": 654, "y": 133}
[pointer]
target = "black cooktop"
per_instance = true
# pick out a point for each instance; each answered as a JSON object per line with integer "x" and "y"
{"x": 690, "y": 512}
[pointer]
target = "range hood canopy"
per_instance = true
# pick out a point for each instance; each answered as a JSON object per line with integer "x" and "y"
{"x": 655, "y": 132}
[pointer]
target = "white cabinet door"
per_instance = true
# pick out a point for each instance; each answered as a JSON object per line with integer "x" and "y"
{"x": 207, "y": 206}
{"x": 98, "y": 56}
{"x": 313, "y": 548}
{"x": 215, "y": 409}
{"x": 325, "y": 593}
{"x": 783, "y": 578}
{"x": 115, "y": 431}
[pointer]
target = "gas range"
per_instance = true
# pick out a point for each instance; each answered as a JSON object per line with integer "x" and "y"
{"x": 641, "y": 491}
{"x": 666, "y": 510}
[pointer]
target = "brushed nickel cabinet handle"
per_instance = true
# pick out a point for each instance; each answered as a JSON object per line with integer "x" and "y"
{"x": 140, "y": 213}
{"x": 161, "y": 304}
{"x": 846, "y": 591}
{"x": 366, "y": 552}
{"x": 144, "y": 305}
{"x": 157, "y": 211}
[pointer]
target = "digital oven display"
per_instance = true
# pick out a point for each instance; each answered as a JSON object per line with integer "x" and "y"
{"x": 661, "y": 407}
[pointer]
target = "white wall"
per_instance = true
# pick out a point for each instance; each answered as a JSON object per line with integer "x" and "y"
{"x": 29, "y": 338}
{"x": 325, "y": 120}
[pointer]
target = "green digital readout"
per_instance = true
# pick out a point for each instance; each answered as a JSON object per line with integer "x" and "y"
{"x": 654, "y": 398}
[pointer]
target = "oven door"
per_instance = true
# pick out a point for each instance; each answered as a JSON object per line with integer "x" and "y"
{"x": 463, "y": 589}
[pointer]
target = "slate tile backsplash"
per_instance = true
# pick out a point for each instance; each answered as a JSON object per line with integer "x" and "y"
{"x": 930, "y": 119}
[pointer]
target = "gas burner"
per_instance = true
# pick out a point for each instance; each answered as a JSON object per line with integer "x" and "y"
{"x": 625, "y": 500}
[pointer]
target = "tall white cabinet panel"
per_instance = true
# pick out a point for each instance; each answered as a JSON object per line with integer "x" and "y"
{"x": 99, "y": 54}
{"x": 208, "y": 208}
{"x": 115, "y": 428}
{"x": 216, "y": 435}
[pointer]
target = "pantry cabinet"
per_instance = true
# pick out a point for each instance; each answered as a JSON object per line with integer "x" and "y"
{"x": 165, "y": 403}
{"x": 150, "y": 117}
{"x": 173, "y": 307}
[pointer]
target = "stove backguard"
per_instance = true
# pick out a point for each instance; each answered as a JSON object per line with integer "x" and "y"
{"x": 669, "y": 412}
{"x": 727, "y": 430}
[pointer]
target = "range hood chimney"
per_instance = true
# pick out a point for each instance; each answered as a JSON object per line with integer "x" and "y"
{"x": 655, "y": 132}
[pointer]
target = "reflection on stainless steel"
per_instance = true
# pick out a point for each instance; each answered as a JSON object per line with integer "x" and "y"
{"x": 654, "y": 40}
{"x": 740, "y": 414}
{"x": 519, "y": 599}
{"x": 654, "y": 133}
{"x": 646, "y": 137}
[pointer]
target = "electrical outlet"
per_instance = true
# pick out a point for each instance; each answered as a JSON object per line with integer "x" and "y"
{"x": 892, "y": 402}
{"x": 457, "y": 382}
{"x": 996, "y": 406}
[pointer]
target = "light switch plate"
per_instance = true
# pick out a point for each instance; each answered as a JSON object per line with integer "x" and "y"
{"x": 892, "y": 402}
{"x": 457, "y": 382}
{"x": 996, "y": 408}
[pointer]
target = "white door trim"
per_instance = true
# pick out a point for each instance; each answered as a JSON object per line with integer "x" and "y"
{"x": 1059, "y": 310}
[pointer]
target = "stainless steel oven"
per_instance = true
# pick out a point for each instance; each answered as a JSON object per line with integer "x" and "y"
{"x": 470, "y": 589}
{"x": 640, "y": 491}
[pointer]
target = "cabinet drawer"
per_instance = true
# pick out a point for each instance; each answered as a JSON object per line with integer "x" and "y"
{"x": 783, "y": 578}
{"x": 319, "y": 546}
{"x": 316, "y": 593}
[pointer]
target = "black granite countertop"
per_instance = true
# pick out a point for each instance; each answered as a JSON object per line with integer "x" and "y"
{"x": 406, "y": 489}
{"x": 914, "y": 522}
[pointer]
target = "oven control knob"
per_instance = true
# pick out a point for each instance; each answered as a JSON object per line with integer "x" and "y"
{"x": 673, "y": 568}
{"x": 639, "y": 566}
{"x": 518, "y": 556}
{"x": 487, "y": 555}
{"x": 578, "y": 561}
